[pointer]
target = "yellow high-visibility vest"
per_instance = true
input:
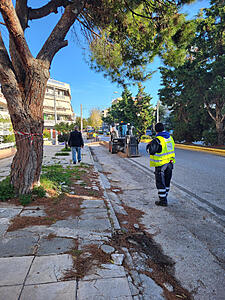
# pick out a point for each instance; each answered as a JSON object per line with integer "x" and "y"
{"x": 166, "y": 155}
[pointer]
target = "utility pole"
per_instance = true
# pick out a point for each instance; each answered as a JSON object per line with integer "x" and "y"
{"x": 81, "y": 119}
{"x": 157, "y": 112}
{"x": 56, "y": 133}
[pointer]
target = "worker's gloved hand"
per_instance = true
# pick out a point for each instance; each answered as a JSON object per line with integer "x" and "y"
{"x": 147, "y": 148}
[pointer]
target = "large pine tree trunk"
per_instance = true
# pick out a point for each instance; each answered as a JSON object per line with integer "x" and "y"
{"x": 26, "y": 111}
{"x": 26, "y": 166}
{"x": 23, "y": 81}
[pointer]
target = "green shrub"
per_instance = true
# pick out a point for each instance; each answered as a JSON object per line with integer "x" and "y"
{"x": 6, "y": 190}
{"x": 25, "y": 199}
{"x": 209, "y": 137}
{"x": 39, "y": 191}
{"x": 66, "y": 149}
{"x": 62, "y": 154}
{"x": 46, "y": 134}
{"x": 9, "y": 138}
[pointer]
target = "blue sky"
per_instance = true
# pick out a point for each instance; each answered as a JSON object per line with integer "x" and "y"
{"x": 88, "y": 88}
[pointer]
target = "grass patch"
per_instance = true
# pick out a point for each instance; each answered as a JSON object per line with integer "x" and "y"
{"x": 59, "y": 179}
{"x": 66, "y": 149}
{"x": 39, "y": 191}
{"x": 62, "y": 154}
{"x": 25, "y": 199}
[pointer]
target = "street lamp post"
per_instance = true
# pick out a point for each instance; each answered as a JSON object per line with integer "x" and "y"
{"x": 56, "y": 132}
{"x": 157, "y": 112}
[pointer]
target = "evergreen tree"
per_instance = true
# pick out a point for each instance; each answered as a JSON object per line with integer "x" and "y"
{"x": 136, "y": 111}
{"x": 196, "y": 90}
{"x": 144, "y": 111}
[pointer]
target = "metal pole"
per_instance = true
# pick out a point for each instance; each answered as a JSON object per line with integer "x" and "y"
{"x": 157, "y": 116}
{"x": 81, "y": 119}
{"x": 56, "y": 133}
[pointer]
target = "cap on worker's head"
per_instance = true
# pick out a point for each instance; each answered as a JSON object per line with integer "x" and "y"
{"x": 159, "y": 127}
{"x": 76, "y": 127}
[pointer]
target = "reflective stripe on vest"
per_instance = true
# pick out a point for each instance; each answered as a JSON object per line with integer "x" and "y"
{"x": 166, "y": 155}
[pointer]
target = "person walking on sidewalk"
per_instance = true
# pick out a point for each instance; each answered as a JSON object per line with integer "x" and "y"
{"x": 162, "y": 157}
{"x": 76, "y": 143}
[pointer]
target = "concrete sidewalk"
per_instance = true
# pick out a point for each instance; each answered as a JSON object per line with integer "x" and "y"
{"x": 33, "y": 266}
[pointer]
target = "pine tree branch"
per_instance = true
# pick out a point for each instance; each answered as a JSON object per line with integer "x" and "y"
{"x": 7, "y": 76}
{"x": 6, "y": 67}
{"x": 50, "y": 7}
{"x": 86, "y": 26}
{"x": 56, "y": 40}
{"x": 22, "y": 12}
{"x": 16, "y": 32}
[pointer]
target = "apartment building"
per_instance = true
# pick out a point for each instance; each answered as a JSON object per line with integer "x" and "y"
{"x": 57, "y": 104}
{"x": 5, "y": 123}
{"x": 56, "y": 107}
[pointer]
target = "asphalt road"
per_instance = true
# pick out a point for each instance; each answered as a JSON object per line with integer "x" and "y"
{"x": 199, "y": 173}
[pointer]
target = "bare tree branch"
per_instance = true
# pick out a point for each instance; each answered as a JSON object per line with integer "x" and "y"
{"x": 22, "y": 12}
{"x": 51, "y": 7}
{"x": 6, "y": 66}
{"x": 56, "y": 39}
{"x": 2, "y": 23}
{"x": 16, "y": 32}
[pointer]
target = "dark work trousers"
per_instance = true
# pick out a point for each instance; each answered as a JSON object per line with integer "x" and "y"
{"x": 163, "y": 175}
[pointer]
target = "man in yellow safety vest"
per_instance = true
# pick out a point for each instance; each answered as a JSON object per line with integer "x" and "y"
{"x": 162, "y": 157}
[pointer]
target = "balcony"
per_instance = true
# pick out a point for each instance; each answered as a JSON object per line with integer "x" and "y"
{"x": 51, "y": 123}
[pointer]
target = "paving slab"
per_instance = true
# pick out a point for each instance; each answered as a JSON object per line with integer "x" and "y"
{"x": 46, "y": 269}
{"x": 64, "y": 232}
{"x": 69, "y": 223}
{"x": 93, "y": 211}
{"x": 18, "y": 243}
{"x": 10, "y": 292}
{"x": 53, "y": 291}
{"x": 4, "y": 224}
{"x": 13, "y": 270}
{"x": 95, "y": 214}
{"x": 104, "y": 289}
{"x": 100, "y": 225}
{"x": 151, "y": 289}
{"x": 54, "y": 245}
{"x": 9, "y": 212}
{"x": 106, "y": 271}
{"x": 33, "y": 213}
{"x": 93, "y": 204}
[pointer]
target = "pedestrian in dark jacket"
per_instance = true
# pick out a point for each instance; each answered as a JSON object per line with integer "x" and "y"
{"x": 76, "y": 143}
{"x": 162, "y": 157}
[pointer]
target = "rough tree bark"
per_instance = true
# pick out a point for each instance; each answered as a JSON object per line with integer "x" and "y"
{"x": 23, "y": 81}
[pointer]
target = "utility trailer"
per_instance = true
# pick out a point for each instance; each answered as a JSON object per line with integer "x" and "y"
{"x": 123, "y": 140}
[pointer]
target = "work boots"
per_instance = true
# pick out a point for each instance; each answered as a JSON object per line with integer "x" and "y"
{"x": 161, "y": 202}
